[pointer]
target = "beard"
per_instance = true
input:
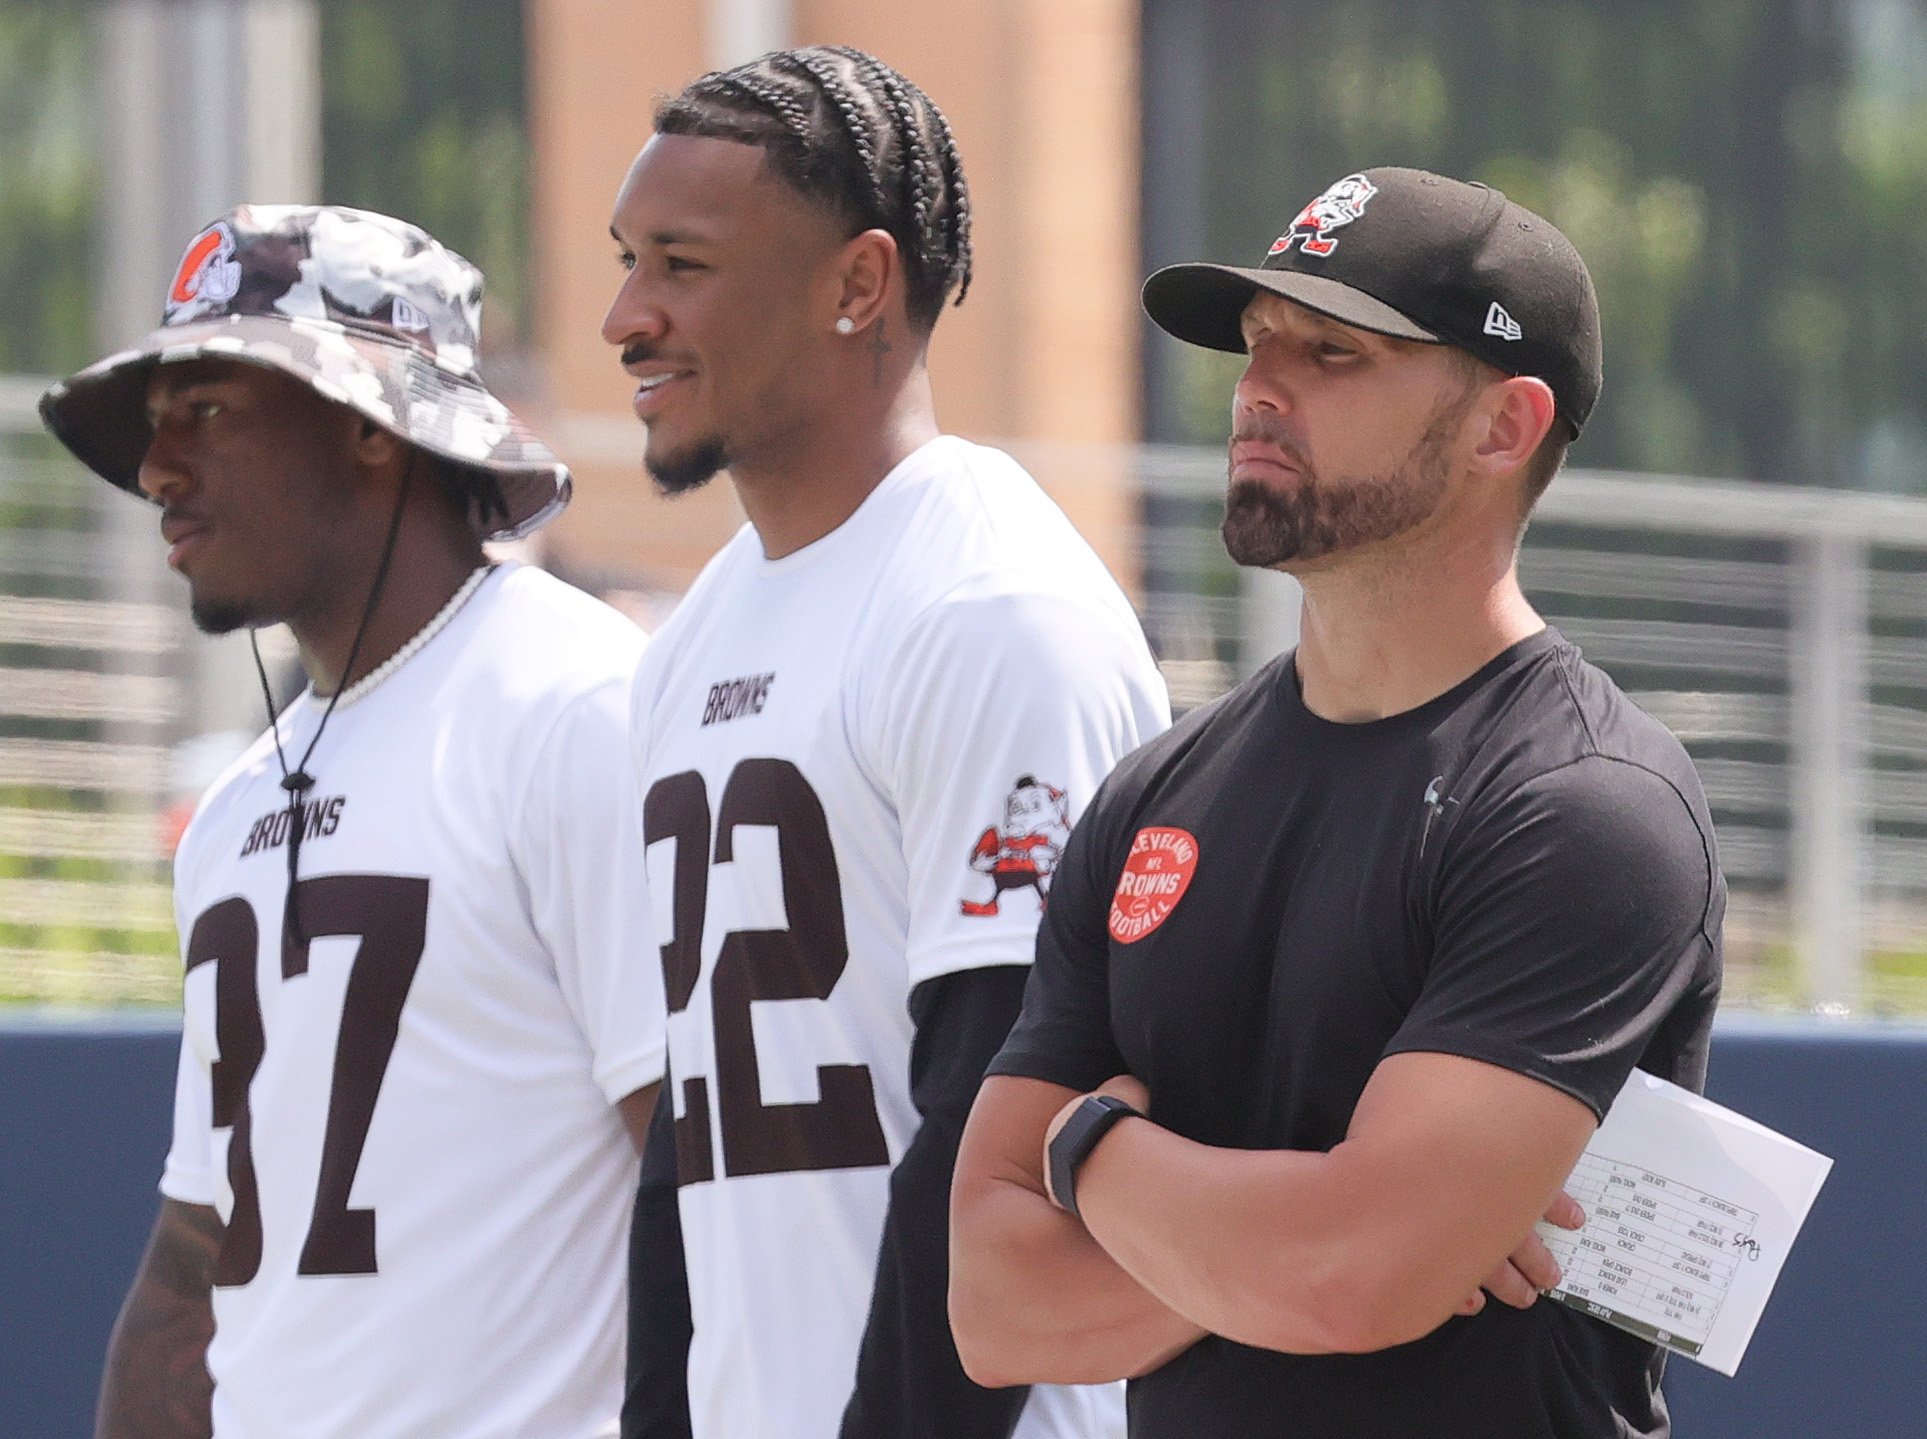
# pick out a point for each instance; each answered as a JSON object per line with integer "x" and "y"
{"x": 1265, "y": 526}
{"x": 217, "y": 616}
{"x": 695, "y": 466}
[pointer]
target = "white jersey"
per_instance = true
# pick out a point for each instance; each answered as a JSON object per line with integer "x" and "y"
{"x": 406, "y": 1124}
{"x": 861, "y": 763}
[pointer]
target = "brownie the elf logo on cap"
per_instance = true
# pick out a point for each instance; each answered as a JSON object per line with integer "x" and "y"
{"x": 209, "y": 274}
{"x": 1333, "y": 210}
{"x": 1156, "y": 874}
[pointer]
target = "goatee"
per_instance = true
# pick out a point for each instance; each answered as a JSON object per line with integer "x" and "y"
{"x": 1267, "y": 525}
{"x": 692, "y": 469}
{"x": 217, "y": 617}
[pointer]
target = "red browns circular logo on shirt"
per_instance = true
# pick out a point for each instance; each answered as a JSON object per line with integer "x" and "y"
{"x": 1156, "y": 874}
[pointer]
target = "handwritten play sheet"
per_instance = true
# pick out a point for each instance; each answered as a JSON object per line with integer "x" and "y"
{"x": 1691, "y": 1210}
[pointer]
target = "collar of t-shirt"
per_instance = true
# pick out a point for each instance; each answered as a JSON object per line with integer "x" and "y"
{"x": 308, "y": 707}
{"x": 928, "y": 459}
{"x": 1291, "y": 694}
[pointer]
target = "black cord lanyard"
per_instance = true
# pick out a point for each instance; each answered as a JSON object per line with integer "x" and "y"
{"x": 297, "y": 782}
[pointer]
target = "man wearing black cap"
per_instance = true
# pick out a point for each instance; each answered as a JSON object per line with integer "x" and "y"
{"x": 417, "y": 1020}
{"x": 1339, "y": 975}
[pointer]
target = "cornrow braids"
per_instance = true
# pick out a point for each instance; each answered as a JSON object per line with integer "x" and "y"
{"x": 918, "y": 169}
{"x": 815, "y": 67}
{"x": 848, "y": 132}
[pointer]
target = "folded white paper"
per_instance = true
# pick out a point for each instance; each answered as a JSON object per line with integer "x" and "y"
{"x": 1691, "y": 1210}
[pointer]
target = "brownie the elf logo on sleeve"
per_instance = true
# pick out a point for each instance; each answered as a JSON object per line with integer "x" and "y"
{"x": 1022, "y": 852}
{"x": 1156, "y": 874}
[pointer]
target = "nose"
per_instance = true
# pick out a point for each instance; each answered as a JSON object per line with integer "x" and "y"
{"x": 632, "y": 315}
{"x": 1264, "y": 385}
{"x": 162, "y": 472}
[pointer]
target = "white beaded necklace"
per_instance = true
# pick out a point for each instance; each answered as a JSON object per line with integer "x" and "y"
{"x": 413, "y": 647}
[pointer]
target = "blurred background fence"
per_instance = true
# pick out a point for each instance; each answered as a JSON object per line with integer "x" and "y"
{"x": 1781, "y": 632}
{"x": 90, "y": 714}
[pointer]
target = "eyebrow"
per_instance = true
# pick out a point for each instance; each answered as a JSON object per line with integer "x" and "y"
{"x": 1321, "y": 324}
{"x": 666, "y": 237}
{"x": 158, "y": 401}
{"x": 172, "y": 387}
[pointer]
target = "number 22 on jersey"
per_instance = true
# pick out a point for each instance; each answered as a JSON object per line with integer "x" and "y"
{"x": 804, "y": 961}
{"x": 389, "y": 914}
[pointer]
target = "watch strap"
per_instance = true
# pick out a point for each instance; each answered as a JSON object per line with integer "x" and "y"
{"x": 1088, "y": 1124}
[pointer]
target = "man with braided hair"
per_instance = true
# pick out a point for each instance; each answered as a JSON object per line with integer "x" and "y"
{"x": 824, "y": 729}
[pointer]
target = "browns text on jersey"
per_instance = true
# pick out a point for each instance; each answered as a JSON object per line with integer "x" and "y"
{"x": 734, "y": 698}
{"x": 319, "y": 818}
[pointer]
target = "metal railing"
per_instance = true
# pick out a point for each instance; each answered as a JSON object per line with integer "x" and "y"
{"x": 90, "y": 713}
{"x": 1781, "y": 632}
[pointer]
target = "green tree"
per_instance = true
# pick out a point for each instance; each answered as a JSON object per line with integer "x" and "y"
{"x": 1744, "y": 178}
{"x": 46, "y": 185}
{"x": 423, "y": 117}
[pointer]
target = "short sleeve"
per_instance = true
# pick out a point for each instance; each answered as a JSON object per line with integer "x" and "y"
{"x": 996, "y": 719}
{"x": 579, "y": 847}
{"x": 189, "y": 1175}
{"x": 1571, "y": 921}
{"x": 1063, "y": 1035}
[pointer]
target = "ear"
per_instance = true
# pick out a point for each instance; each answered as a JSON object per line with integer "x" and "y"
{"x": 375, "y": 447}
{"x": 1518, "y": 412}
{"x": 868, "y": 269}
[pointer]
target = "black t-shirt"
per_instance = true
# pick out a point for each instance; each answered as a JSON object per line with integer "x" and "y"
{"x": 1261, "y": 904}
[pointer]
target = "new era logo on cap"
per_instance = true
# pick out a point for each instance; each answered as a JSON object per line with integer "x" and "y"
{"x": 1499, "y": 323}
{"x": 407, "y": 316}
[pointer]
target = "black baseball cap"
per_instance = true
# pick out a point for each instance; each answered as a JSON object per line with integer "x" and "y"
{"x": 1420, "y": 257}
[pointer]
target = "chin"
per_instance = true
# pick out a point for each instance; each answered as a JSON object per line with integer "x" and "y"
{"x": 221, "y": 614}
{"x": 219, "y": 618}
{"x": 689, "y": 467}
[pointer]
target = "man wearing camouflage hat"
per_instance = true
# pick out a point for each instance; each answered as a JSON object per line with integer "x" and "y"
{"x": 416, "y": 1024}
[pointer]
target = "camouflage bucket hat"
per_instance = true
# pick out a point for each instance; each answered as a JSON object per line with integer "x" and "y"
{"x": 372, "y": 312}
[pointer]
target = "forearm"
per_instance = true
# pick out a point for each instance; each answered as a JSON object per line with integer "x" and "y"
{"x": 1270, "y": 1248}
{"x": 156, "y": 1384}
{"x": 1375, "y": 1243}
{"x": 1033, "y": 1298}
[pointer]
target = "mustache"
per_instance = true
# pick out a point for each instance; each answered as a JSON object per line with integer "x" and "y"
{"x": 1272, "y": 430}
{"x": 641, "y": 352}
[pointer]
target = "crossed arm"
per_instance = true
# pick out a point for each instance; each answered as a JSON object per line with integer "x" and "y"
{"x": 1377, "y": 1242}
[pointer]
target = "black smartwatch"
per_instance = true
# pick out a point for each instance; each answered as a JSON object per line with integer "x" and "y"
{"x": 1089, "y": 1122}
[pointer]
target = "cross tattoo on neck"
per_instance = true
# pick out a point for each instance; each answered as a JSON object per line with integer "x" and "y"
{"x": 878, "y": 348}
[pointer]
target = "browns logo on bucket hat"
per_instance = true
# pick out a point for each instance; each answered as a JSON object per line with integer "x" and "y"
{"x": 370, "y": 311}
{"x": 1420, "y": 257}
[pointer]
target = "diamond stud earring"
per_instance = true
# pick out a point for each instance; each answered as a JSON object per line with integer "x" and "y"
{"x": 845, "y": 325}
